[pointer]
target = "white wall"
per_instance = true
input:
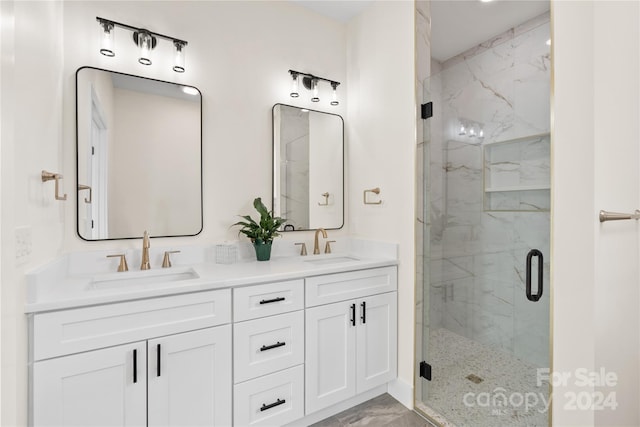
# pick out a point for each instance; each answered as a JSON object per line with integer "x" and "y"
{"x": 595, "y": 156}
{"x": 31, "y": 89}
{"x": 238, "y": 56}
{"x": 382, "y": 148}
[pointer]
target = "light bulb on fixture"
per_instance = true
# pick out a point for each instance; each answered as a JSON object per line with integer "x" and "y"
{"x": 334, "y": 98}
{"x": 314, "y": 88}
{"x": 178, "y": 61}
{"x": 481, "y": 134}
{"x": 311, "y": 82}
{"x": 146, "y": 42}
{"x": 472, "y": 131}
{"x": 294, "y": 85}
{"x": 106, "y": 44}
{"x": 462, "y": 130}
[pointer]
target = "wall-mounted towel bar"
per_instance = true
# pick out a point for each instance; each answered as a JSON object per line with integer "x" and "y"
{"x": 615, "y": 216}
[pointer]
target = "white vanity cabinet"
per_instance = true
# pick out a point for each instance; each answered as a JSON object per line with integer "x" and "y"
{"x": 265, "y": 354}
{"x": 351, "y": 345}
{"x": 166, "y": 376}
{"x": 268, "y": 353}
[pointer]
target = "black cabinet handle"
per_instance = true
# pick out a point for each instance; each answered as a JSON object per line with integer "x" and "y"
{"x": 530, "y": 255}
{"x": 272, "y": 405}
{"x": 158, "y": 360}
{"x": 353, "y": 315}
{"x": 363, "y": 317}
{"x": 269, "y": 347}
{"x": 269, "y": 301}
{"x": 135, "y": 366}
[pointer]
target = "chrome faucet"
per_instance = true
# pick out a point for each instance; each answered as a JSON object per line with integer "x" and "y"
{"x": 145, "y": 252}
{"x": 316, "y": 247}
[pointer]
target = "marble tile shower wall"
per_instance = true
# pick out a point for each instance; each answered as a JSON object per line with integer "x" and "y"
{"x": 477, "y": 255}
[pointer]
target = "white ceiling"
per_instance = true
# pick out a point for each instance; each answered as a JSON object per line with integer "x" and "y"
{"x": 456, "y": 25}
{"x": 340, "y": 10}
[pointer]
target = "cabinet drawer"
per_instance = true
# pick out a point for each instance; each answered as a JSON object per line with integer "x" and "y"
{"x": 267, "y": 345}
{"x": 354, "y": 284}
{"x": 252, "y": 302}
{"x": 272, "y": 400}
{"x": 71, "y": 331}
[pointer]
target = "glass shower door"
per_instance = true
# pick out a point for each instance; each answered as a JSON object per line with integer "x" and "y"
{"x": 485, "y": 242}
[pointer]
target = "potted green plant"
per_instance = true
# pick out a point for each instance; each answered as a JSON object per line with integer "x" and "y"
{"x": 261, "y": 232}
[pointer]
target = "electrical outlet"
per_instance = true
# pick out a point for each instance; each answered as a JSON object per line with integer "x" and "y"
{"x": 24, "y": 243}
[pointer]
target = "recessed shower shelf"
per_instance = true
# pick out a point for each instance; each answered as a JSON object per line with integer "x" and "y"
{"x": 519, "y": 139}
{"x": 516, "y": 174}
{"x": 517, "y": 188}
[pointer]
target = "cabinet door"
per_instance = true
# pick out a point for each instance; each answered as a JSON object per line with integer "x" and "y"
{"x": 97, "y": 388}
{"x": 377, "y": 347}
{"x": 330, "y": 355}
{"x": 190, "y": 378}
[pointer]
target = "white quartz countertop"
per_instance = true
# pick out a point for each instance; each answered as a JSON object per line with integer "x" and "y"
{"x": 62, "y": 285}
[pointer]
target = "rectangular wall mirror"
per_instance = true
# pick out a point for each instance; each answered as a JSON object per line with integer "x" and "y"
{"x": 308, "y": 168}
{"x": 139, "y": 156}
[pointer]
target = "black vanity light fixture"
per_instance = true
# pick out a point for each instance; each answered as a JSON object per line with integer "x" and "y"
{"x": 310, "y": 82}
{"x": 145, "y": 40}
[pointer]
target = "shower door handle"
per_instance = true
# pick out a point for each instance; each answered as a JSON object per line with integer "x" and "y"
{"x": 530, "y": 296}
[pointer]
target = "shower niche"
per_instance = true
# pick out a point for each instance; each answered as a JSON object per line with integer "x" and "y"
{"x": 516, "y": 174}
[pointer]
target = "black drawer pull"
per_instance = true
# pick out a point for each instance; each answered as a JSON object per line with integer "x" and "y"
{"x": 364, "y": 312}
{"x": 135, "y": 366}
{"x": 269, "y": 347}
{"x": 158, "y": 364}
{"x": 353, "y": 315}
{"x": 268, "y": 301}
{"x": 272, "y": 405}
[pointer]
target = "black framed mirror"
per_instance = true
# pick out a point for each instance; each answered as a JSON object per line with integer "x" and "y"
{"x": 138, "y": 156}
{"x": 308, "y": 168}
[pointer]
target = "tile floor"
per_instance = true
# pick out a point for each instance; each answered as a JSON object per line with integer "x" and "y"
{"x": 380, "y": 411}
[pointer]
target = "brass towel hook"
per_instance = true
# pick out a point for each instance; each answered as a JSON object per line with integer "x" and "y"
{"x": 374, "y": 191}
{"x": 48, "y": 176}
{"x": 86, "y": 187}
{"x": 326, "y": 199}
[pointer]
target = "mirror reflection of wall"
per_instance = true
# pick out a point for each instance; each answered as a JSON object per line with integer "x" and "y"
{"x": 139, "y": 150}
{"x": 308, "y": 149}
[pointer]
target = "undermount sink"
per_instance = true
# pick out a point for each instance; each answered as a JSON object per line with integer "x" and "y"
{"x": 138, "y": 278}
{"x": 331, "y": 260}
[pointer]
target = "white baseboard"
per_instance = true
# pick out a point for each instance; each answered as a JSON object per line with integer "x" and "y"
{"x": 401, "y": 391}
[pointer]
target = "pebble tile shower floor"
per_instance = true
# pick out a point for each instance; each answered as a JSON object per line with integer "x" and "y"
{"x": 469, "y": 380}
